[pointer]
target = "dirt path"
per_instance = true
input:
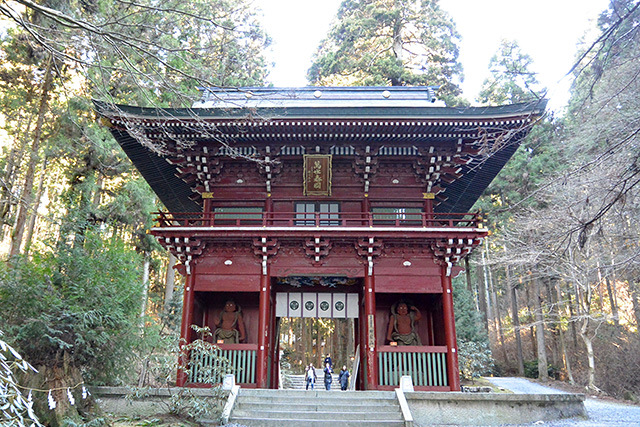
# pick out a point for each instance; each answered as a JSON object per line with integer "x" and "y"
{"x": 602, "y": 413}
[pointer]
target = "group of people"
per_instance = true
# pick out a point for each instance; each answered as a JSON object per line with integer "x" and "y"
{"x": 310, "y": 375}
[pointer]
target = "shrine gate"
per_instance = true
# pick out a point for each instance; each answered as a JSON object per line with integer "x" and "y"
{"x": 335, "y": 202}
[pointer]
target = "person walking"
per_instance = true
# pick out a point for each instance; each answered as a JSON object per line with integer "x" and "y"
{"x": 343, "y": 378}
{"x": 328, "y": 360}
{"x": 327, "y": 376}
{"x": 310, "y": 376}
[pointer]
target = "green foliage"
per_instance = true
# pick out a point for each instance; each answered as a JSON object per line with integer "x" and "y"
{"x": 206, "y": 360}
{"x": 511, "y": 80}
{"x": 468, "y": 322}
{"x": 80, "y": 304}
{"x": 158, "y": 51}
{"x": 475, "y": 359}
{"x": 539, "y": 156}
{"x": 474, "y": 354}
{"x": 531, "y": 369}
{"x": 390, "y": 42}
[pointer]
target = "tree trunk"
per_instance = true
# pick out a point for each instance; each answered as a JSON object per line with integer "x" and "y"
{"x": 572, "y": 322}
{"x": 634, "y": 290}
{"x": 145, "y": 286}
{"x": 33, "y": 216}
{"x": 467, "y": 271}
{"x": 591, "y": 370}
{"x": 531, "y": 320}
{"x": 488, "y": 277}
{"x": 516, "y": 329}
{"x": 59, "y": 381}
{"x": 482, "y": 301}
{"x": 170, "y": 283}
{"x": 543, "y": 373}
{"x": 27, "y": 192}
{"x": 612, "y": 301}
{"x": 12, "y": 166}
{"x": 563, "y": 347}
{"x": 553, "y": 322}
{"x": 479, "y": 280}
{"x": 497, "y": 316}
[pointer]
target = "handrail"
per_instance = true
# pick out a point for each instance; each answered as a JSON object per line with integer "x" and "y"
{"x": 318, "y": 219}
{"x": 231, "y": 401}
{"x": 404, "y": 406}
{"x": 354, "y": 369}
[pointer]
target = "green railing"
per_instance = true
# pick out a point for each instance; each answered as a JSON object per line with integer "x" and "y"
{"x": 238, "y": 359}
{"x": 426, "y": 365}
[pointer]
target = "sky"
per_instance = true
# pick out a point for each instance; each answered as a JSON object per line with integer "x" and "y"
{"x": 548, "y": 30}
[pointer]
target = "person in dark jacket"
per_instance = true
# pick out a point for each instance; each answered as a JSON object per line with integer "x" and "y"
{"x": 327, "y": 376}
{"x": 328, "y": 360}
{"x": 343, "y": 378}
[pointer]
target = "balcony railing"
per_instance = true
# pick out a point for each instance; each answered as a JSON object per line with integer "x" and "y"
{"x": 426, "y": 365}
{"x": 206, "y": 369}
{"x": 297, "y": 219}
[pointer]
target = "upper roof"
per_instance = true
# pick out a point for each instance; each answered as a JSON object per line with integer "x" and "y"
{"x": 315, "y": 97}
{"x": 400, "y": 116}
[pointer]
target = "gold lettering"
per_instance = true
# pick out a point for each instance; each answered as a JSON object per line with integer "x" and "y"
{"x": 317, "y": 175}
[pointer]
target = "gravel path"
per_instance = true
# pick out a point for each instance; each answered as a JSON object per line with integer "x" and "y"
{"x": 602, "y": 413}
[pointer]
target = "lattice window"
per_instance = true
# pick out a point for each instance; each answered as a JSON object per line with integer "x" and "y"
{"x": 395, "y": 214}
{"x": 329, "y": 213}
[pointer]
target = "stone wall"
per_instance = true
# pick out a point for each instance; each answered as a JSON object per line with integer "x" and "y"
{"x": 492, "y": 408}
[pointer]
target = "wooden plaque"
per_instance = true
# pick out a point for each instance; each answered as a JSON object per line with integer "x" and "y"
{"x": 317, "y": 174}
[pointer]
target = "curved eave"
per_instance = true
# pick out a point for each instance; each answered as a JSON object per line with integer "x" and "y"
{"x": 258, "y": 115}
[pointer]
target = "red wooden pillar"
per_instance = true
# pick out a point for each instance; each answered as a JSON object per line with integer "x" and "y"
{"x": 371, "y": 347}
{"x": 263, "y": 331}
{"x": 185, "y": 328}
{"x": 428, "y": 210}
{"x": 450, "y": 331}
{"x": 274, "y": 346}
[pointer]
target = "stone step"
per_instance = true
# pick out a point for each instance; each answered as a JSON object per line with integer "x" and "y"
{"x": 320, "y": 406}
{"x": 356, "y": 395}
{"x": 326, "y": 414}
{"x": 259, "y": 407}
{"x": 296, "y": 402}
{"x": 298, "y": 382}
{"x": 285, "y": 422}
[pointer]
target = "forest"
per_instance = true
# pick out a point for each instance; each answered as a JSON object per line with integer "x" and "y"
{"x": 87, "y": 297}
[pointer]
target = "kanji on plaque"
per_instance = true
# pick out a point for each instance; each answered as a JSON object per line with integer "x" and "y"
{"x": 317, "y": 175}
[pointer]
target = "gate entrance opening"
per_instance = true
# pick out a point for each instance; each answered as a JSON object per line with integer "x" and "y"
{"x": 315, "y": 324}
{"x": 310, "y": 340}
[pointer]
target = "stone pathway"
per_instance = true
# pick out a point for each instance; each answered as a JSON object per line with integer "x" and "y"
{"x": 602, "y": 413}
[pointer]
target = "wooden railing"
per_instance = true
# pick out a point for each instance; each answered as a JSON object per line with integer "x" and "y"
{"x": 426, "y": 365}
{"x": 296, "y": 219}
{"x": 205, "y": 368}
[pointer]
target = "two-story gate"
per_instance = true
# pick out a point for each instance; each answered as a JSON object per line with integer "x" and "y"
{"x": 346, "y": 195}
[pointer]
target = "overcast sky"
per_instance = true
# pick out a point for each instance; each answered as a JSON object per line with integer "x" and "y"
{"x": 548, "y": 30}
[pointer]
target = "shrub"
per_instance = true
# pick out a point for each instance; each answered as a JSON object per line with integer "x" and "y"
{"x": 475, "y": 359}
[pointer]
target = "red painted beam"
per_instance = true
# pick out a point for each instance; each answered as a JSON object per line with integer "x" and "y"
{"x": 453, "y": 372}
{"x": 185, "y": 328}
{"x": 370, "y": 336}
{"x": 263, "y": 332}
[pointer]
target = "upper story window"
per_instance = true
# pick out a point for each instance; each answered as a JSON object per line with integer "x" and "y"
{"x": 397, "y": 215}
{"x": 246, "y": 215}
{"x": 327, "y": 213}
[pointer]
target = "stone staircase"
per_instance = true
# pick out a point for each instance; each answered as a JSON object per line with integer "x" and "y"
{"x": 297, "y": 382}
{"x": 281, "y": 408}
